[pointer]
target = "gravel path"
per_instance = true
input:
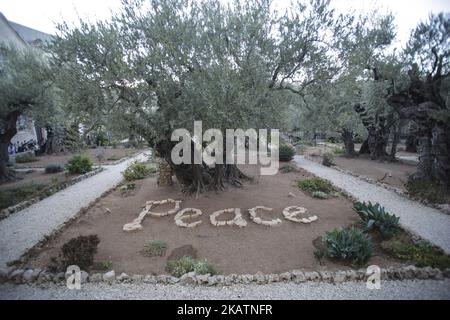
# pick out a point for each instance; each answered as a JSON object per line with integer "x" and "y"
{"x": 390, "y": 290}
{"x": 24, "y": 229}
{"x": 428, "y": 223}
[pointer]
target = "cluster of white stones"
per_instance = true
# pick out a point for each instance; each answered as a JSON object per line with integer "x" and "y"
{"x": 136, "y": 224}
{"x": 238, "y": 220}
{"x": 258, "y": 220}
{"x": 161, "y": 202}
{"x": 40, "y": 277}
{"x": 181, "y": 216}
{"x": 292, "y": 215}
{"x": 289, "y": 213}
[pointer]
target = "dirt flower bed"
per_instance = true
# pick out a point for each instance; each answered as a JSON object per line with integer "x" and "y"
{"x": 230, "y": 250}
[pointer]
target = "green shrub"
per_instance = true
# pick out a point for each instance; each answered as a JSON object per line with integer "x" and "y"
{"x": 54, "y": 168}
{"x": 80, "y": 251}
{"x": 339, "y": 151}
{"x": 316, "y": 184}
{"x": 422, "y": 254}
{"x": 288, "y": 168}
{"x": 320, "y": 195}
{"x": 349, "y": 244}
{"x": 286, "y": 152}
{"x": 101, "y": 139}
{"x": 328, "y": 159}
{"x": 106, "y": 265}
{"x": 26, "y": 158}
{"x": 376, "y": 217}
{"x": 79, "y": 164}
{"x": 155, "y": 248}
{"x": 136, "y": 170}
{"x": 127, "y": 187}
{"x": 188, "y": 264}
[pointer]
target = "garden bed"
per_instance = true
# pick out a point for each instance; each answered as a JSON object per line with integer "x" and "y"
{"x": 231, "y": 250}
{"x": 109, "y": 156}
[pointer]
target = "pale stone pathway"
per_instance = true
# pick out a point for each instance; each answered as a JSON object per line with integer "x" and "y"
{"x": 426, "y": 222}
{"x": 24, "y": 229}
{"x": 390, "y": 290}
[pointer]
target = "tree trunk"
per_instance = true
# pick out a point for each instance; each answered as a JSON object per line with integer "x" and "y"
{"x": 197, "y": 178}
{"x": 347, "y": 136}
{"x": 395, "y": 140}
{"x": 411, "y": 143}
{"x": 424, "y": 167}
{"x": 441, "y": 152}
{"x": 9, "y": 131}
{"x": 377, "y": 143}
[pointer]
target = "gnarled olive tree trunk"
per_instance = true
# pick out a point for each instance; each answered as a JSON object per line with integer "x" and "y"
{"x": 8, "y": 131}
{"x": 197, "y": 178}
{"x": 347, "y": 137}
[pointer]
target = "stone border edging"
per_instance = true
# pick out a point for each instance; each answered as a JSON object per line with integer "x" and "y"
{"x": 444, "y": 208}
{"x": 5, "y": 213}
{"x": 41, "y": 277}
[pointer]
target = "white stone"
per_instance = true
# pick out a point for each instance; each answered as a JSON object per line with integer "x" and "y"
{"x": 258, "y": 220}
{"x": 109, "y": 276}
{"x": 180, "y": 216}
{"x": 291, "y": 213}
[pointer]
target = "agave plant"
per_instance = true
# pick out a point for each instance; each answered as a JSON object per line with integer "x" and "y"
{"x": 375, "y": 217}
{"x": 349, "y": 244}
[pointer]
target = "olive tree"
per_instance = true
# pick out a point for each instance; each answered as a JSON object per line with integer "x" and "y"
{"x": 25, "y": 89}
{"x": 165, "y": 64}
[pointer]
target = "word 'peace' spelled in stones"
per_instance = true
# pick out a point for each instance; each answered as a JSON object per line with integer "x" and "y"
{"x": 292, "y": 213}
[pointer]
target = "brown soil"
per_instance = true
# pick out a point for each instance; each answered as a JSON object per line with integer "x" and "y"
{"x": 34, "y": 177}
{"x": 230, "y": 249}
{"x": 391, "y": 173}
{"x": 92, "y": 153}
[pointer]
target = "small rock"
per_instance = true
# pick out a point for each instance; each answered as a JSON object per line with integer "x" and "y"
{"x": 409, "y": 272}
{"x": 163, "y": 279}
{"x": 188, "y": 278}
{"x": 285, "y": 276}
{"x": 273, "y": 278}
{"x": 137, "y": 278}
{"x": 212, "y": 280}
{"x": 108, "y": 210}
{"x": 43, "y": 277}
{"x": 220, "y": 280}
{"x": 84, "y": 277}
{"x": 150, "y": 279}
{"x": 312, "y": 276}
{"x": 292, "y": 195}
{"x": 260, "y": 278}
{"x": 123, "y": 277}
{"x": 36, "y": 273}
{"x": 351, "y": 275}
{"x": 16, "y": 276}
{"x": 339, "y": 276}
{"x": 96, "y": 277}
{"x": 298, "y": 276}
{"x": 109, "y": 276}
{"x": 202, "y": 278}
{"x": 326, "y": 276}
{"x": 59, "y": 277}
{"x": 173, "y": 280}
{"x": 27, "y": 276}
{"x": 246, "y": 279}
